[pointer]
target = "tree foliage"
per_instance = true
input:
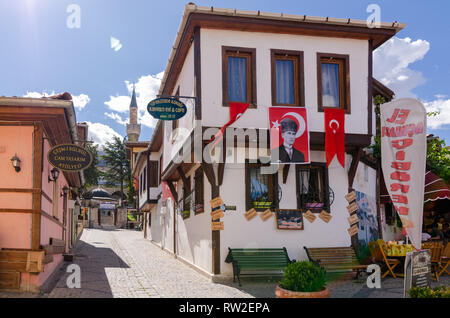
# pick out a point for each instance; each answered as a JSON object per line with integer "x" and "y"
{"x": 118, "y": 172}
{"x": 92, "y": 174}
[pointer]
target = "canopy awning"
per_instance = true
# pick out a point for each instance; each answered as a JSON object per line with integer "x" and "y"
{"x": 435, "y": 189}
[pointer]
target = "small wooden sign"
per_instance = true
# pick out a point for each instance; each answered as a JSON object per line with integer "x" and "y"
{"x": 325, "y": 216}
{"x": 216, "y": 202}
{"x": 351, "y": 196}
{"x": 217, "y": 226}
{"x": 353, "y": 219}
{"x": 352, "y": 208}
{"x": 309, "y": 216}
{"x": 267, "y": 214}
{"x": 250, "y": 214}
{"x": 353, "y": 230}
{"x": 217, "y": 214}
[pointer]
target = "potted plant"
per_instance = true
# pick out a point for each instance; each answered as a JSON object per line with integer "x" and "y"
{"x": 303, "y": 280}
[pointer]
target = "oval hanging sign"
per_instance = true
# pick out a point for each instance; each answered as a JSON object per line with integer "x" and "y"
{"x": 68, "y": 157}
{"x": 166, "y": 108}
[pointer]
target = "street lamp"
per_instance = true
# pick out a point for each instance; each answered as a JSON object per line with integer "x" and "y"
{"x": 55, "y": 174}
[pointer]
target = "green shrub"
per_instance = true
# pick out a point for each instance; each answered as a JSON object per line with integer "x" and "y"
{"x": 427, "y": 292}
{"x": 304, "y": 277}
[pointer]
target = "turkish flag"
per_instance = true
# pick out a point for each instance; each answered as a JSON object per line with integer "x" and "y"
{"x": 236, "y": 111}
{"x": 335, "y": 135}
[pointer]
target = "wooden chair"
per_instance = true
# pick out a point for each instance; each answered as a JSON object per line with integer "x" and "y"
{"x": 445, "y": 260}
{"x": 390, "y": 263}
{"x": 436, "y": 253}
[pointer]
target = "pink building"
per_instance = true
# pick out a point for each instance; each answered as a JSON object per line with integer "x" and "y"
{"x": 36, "y": 200}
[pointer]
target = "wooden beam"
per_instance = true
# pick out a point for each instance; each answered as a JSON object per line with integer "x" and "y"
{"x": 182, "y": 175}
{"x": 38, "y": 153}
{"x": 221, "y": 168}
{"x": 172, "y": 190}
{"x": 209, "y": 172}
{"x": 353, "y": 167}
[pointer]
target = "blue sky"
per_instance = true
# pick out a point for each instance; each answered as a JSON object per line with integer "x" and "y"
{"x": 40, "y": 54}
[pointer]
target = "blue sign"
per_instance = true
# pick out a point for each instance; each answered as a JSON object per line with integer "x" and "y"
{"x": 166, "y": 108}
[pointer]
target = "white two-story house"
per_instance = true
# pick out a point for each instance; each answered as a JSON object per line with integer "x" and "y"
{"x": 213, "y": 49}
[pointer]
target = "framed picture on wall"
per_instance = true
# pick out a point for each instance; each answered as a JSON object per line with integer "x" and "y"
{"x": 289, "y": 219}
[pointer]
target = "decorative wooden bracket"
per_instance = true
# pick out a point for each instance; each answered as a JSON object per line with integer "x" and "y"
{"x": 353, "y": 167}
{"x": 209, "y": 172}
{"x": 172, "y": 190}
{"x": 286, "y": 172}
{"x": 182, "y": 175}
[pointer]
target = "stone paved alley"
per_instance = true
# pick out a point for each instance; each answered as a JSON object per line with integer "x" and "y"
{"x": 121, "y": 263}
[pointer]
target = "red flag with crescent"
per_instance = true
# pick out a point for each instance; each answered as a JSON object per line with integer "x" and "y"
{"x": 236, "y": 111}
{"x": 335, "y": 135}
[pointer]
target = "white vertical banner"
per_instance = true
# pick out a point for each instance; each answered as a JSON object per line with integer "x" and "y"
{"x": 403, "y": 157}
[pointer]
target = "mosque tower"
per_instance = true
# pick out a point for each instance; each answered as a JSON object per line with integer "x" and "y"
{"x": 133, "y": 128}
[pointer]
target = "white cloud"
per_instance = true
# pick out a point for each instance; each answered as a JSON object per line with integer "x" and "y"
{"x": 117, "y": 118}
{"x": 147, "y": 88}
{"x": 79, "y": 101}
{"x": 443, "y": 107}
{"x": 392, "y": 61}
{"x": 101, "y": 133}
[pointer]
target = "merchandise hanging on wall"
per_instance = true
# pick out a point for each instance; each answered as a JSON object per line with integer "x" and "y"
{"x": 325, "y": 216}
{"x": 250, "y": 214}
{"x": 403, "y": 153}
{"x": 267, "y": 214}
{"x": 335, "y": 135}
{"x": 289, "y": 219}
{"x": 289, "y": 135}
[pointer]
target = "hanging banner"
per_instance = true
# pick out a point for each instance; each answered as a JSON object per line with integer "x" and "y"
{"x": 403, "y": 153}
{"x": 289, "y": 135}
{"x": 335, "y": 135}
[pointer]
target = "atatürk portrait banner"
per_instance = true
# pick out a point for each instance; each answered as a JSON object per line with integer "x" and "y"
{"x": 289, "y": 135}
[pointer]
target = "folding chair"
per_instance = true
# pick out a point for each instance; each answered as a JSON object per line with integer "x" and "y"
{"x": 390, "y": 263}
{"x": 436, "y": 253}
{"x": 445, "y": 260}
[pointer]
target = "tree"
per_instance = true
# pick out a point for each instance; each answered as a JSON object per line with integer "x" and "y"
{"x": 438, "y": 158}
{"x": 118, "y": 165}
{"x": 92, "y": 174}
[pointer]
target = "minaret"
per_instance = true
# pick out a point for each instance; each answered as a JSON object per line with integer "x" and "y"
{"x": 133, "y": 128}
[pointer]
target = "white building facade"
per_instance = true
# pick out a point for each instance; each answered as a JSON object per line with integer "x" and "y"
{"x": 197, "y": 73}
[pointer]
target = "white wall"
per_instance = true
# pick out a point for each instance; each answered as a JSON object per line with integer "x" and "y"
{"x": 214, "y": 114}
{"x": 186, "y": 83}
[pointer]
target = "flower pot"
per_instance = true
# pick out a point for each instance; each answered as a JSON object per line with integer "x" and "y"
{"x": 284, "y": 293}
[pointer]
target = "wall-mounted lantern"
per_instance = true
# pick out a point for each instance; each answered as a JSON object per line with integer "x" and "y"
{"x": 16, "y": 162}
{"x": 55, "y": 175}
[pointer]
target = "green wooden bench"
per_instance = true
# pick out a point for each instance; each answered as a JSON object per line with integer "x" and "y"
{"x": 336, "y": 259}
{"x": 257, "y": 259}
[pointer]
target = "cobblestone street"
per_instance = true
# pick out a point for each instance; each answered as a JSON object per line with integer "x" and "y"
{"x": 122, "y": 264}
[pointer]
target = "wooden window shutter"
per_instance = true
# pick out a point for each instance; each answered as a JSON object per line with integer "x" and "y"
{"x": 153, "y": 171}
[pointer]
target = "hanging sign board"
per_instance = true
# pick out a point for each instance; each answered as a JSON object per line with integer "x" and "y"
{"x": 217, "y": 226}
{"x": 68, "y": 157}
{"x": 216, "y": 202}
{"x": 309, "y": 216}
{"x": 353, "y": 219}
{"x": 403, "y": 153}
{"x": 325, "y": 216}
{"x": 217, "y": 214}
{"x": 267, "y": 214}
{"x": 351, "y": 196}
{"x": 417, "y": 270}
{"x": 166, "y": 108}
{"x": 353, "y": 230}
{"x": 352, "y": 208}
